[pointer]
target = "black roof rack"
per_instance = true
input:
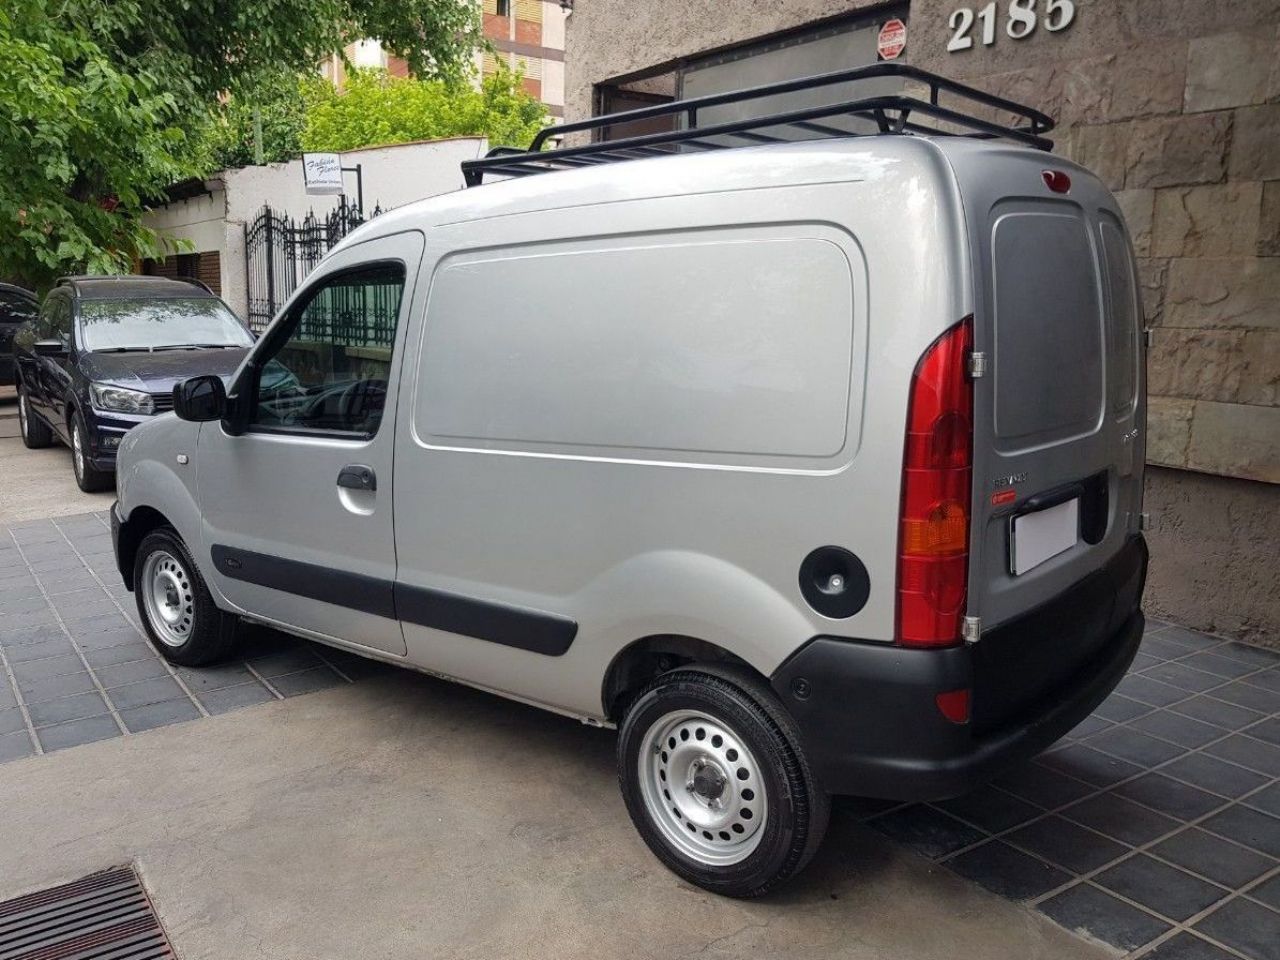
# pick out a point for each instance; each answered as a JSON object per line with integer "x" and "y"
{"x": 890, "y": 113}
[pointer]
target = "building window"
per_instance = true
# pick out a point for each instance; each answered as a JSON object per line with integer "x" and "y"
{"x": 504, "y": 8}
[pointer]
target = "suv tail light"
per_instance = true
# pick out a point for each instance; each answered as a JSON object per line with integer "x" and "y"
{"x": 937, "y": 469}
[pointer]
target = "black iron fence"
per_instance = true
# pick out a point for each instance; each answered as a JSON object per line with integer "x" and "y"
{"x": 280, "y": 251}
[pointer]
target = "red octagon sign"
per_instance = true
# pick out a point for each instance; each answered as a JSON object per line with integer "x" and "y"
{"x": 892, "y": 39}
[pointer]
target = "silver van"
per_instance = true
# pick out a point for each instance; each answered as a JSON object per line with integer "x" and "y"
{"x": 813, "y": 467}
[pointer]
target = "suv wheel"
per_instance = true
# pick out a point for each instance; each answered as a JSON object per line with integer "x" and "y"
{"x": 714, "y": 779}
{"x": 88, "y": 479}
{"x": 35, "y": 432}
{"x": 177, "y": 610}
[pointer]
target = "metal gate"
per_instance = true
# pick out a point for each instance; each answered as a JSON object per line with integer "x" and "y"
{"x": 280, "y": 251}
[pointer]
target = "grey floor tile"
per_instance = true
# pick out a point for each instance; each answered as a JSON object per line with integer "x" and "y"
{"x": 1243, "y": 693}
{"x": 1085, "y": 763}
{"x": 1147, "y": 690}
{"x": 1089, "y": 726}
{"x": 1087, "y": 909}
{"x": 11, "y": 721}
{"x": 1177, "y": 728}
{"x": 1044, "y": 787}
{"x": 1268, "y": 892}
{"x": 1135, "y": 746}
{"x": 19, "y": 588}
{"x": 120, "y": 653}
{"x": 1163, "y": 889}
{"x": 57, "y": 646}
{"x": 82, "y": 705}
{"x": 1172, "y": 797}
{"x": 286, "y": 661}
{"x": 1120, "y": 819}
{"x": 34, "y": 604}
{"x": 1157, "y": 646}
{"x": 1248, "y": 752}
{"x": 1188, "y": 638}
{"x": 161, "y": 714}
{"x": 991, "y": 809}
{"x": 1229, "y": 716}
{"x": 307, "y": 681}
{"x": 216, "y": 677}
{"x": 55, "y": 666}
{"x": 1187, "y": 946}
{"x": 1119, "y": 708}
{"x": 1178, "y": 674}
{"x": 233, "y": 698}
{"x": 7, "y": 698}
{"x": 1009, "y": 872}
{"x": 77, "y": 732}
{"x": 119, "y": 674}
{"x": 1220, "y": 860}
{"x": 928, "y": 831}
{"x": 20, "y": 622}
{"x": 1266, "y": 800}
{"x": 1210, "y": 661}
{"x": 1214, "y": 775}
{"x": 1067, "y": 844}
{"x": 90, "y": 593}
{"x": 15, "y": 746}
{"x": 29, "y": 635}
{"x": 146, "y": 691}
{"x": 1245, "y": 926}
{"x": 1268, "y": 680}
{"x": 1257, "y": 830}
{"x": 1246, "y": 653}
{"x": 55, "y": 688}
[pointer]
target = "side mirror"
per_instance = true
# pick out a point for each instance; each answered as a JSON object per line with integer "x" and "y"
{"x": 200, "y": 399}
{"x": 50, "y": 348}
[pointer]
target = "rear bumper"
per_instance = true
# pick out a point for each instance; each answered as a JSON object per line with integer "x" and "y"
{"x": 870, "y": 722}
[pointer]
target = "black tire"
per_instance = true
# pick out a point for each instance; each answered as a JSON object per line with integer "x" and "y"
{"x": 36, "y": 434}
{"x": 87, "y": 478}
{"x": 210, "y": 635}
{"x": 797, "y": 806}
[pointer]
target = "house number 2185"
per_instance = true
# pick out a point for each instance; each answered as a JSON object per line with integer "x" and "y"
{"x": 1020, "y": 21}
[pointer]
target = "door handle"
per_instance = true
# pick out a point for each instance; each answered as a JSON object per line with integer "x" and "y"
{"x": 358, "y": 476}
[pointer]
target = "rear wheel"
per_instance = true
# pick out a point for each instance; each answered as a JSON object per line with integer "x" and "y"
{"x": 716, "y": 782}
{"x": 88, "y": 479}
{"x": 176, "y": 607}
{"x": 35, "y": 432}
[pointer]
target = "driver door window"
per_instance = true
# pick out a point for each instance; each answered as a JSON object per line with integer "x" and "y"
{"x": 330, "y": 372}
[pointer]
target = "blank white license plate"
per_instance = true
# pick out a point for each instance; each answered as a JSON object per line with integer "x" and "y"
{"x": 1036, "y": 537}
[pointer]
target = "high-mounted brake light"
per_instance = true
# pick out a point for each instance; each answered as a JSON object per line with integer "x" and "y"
{"x": 933, "y": 543}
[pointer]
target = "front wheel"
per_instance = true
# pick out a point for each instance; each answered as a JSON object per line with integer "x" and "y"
{"x": 176, "y": 607}
{"x": 715, "y": 780}
{"x": 35, "y": 432}
{"x": 87, "y": 478}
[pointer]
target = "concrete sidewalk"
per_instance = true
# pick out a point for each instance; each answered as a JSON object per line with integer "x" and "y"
{"x": 408, "y": 817}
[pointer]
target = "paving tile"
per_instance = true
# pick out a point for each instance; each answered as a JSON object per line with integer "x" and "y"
{"x": 991, "y": 809}
{"x": 929, "y": 831}
{"x": 117, "y": 635}
{"x": 54, "y": 688}
{"x": 1176, "y": 728}
{"x": 11, "y": 721}
{"x": 161, "y": 714}
{"x": 120, "y": 653}
{"x": 77, "y": 732}
{"x": 1136, "y": 747}
{"x": 102, "y": 613}
{"x": 77, "y": 707}
{"x": 1214, "y": 775}
{"x": 286, "y": 661}
{"x": 1178, "y": 674}
{"x": 18, "y": 588}
{"x": 1120, "y": 819}
{"x": 215, "y": 678}
{"x": 1067, "y": 844}
{"x": 119, "y": 674}
{"x": 1188, "y": 638}
{"x": 1248, "y": 752}
{"x": 1245, "y": 926}
{"x": 1157, "y": 646}
{"x": 89, "y": 593}
{"x": 47, "y": 667}
{"x": 1267, "y": 680}
{"x": 1142, "y": 661}
{"x": 1244, "y": 693}
{"x": 146, "y": 691}
{"x": 1143, "y": 688}
{"x": 34, "y": 604}
{"x": 1220, "y": 860}
{"x": 1257, "y": 830}
{"x": 15, "y": 746}
{"x": 1268, "y": 892}
{"x": 1119, "y": 708}
{"x": 58, "y": 646}
{"x": 307, "y": 681}
{"x": 1086, "y": 909}
{"x": 28, "y": 635}
{"x": 860, "y": 808}
{"x": 1217, "y": 712}
{"x": 1246, "y": 653}
{"x": 1171, "y": 797}
{"x": 233, "y": 698}
{"x": 7, "y": 699}
{"x": 1044, "y": 787}
{"x": 1211, "y": 662}
{"x": 1159, "y": 887}
{"x": 1267, "y": 800}
{"x": 1187, "y": 946}
{"x": 1009, "y": 872}
{"x": 1085, "y": 763}
{"x": 1089, "y": 726}
{"x": 20, "y": 622}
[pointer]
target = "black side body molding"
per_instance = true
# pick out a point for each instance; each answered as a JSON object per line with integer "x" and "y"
{"x": 521, "y": 627}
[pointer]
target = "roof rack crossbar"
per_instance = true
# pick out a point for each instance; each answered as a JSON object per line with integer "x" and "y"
{"x": 892, "y": 114}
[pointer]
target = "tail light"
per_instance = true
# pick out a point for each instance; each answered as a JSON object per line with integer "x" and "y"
{"x": 937, "y": 470}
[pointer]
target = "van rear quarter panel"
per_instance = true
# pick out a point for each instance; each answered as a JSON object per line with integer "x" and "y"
{"x": 640, "y": 403}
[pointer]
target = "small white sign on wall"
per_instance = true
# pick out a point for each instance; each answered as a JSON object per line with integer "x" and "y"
{"x": 322, "y": 173}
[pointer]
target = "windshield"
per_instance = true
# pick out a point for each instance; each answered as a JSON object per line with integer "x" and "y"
{"x": 160, "y": 324}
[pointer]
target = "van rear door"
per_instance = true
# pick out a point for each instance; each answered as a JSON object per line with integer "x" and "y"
{"x": 1059, "y": 393}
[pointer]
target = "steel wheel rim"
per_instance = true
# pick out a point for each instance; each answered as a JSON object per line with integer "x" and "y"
{"x": 77, "y": 451}
{"x": 702, "y": 787}
{"x": 22, "y": 412}
{"x": 168, "y": 598}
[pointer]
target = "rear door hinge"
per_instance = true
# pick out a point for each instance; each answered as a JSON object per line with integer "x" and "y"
{"x": 977, "y": 364}
{"x": 972, "y": 629}
{"x": 1144, "y": 521}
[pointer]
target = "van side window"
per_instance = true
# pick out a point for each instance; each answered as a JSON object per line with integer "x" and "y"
{"x": 1122, "y": 316}
{"x": 330, "y": 372}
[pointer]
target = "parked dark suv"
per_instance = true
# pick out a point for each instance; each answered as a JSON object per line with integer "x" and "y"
{"x": 17, "y": 306}
{"x": 103, "y": 356}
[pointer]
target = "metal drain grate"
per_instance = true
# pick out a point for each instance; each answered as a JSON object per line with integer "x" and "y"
{"x": 105, "y": 916}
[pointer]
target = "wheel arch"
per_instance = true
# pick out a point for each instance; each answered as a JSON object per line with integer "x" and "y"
{"x": 141, "y": 521}
{"x": 648, "y": 657}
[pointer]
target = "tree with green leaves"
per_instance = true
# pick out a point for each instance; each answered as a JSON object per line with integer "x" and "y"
{"x": 101, "y": 102}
